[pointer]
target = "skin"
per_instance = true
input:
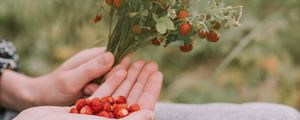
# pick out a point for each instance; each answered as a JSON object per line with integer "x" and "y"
{"x": 140, "y": 82}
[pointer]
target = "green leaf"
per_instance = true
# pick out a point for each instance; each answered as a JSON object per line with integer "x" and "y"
{"x": 161, "y": 28}
{"x": 155, "y": 17}
{"x": 168, "y": 22}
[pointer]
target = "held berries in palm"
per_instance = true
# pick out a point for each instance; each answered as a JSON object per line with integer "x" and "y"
{"x": 107, "y": 107}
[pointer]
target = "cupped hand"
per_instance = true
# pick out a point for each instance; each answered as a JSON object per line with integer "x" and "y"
{"x": 62, "y": 113}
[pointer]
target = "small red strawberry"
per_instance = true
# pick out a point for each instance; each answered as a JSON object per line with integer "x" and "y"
{"x": 202, "y": 34}
{"x": 86, "y": 110}
{"x": 156, "y": 42}
{"x": 117, "y": 106}
{"x": 216, "y": 25}
{"x": 107, "y": 107}
{"x": 185, "y": 29}
{"x": 134, "y": 108}
{"x": 213, "y": 36}
{"x": 74, "y": 110}
{"x": 182, "y": 14}
{"x": 96, "y": 105}
{"x": 97, "y": 18}
{"x": 186, "y": 48}
{"x": 110, "y": 100}
{"x": 121, "y": 100}
{"x": 103, "y": 114}
{"x": 121, "y": 112}
{"x": 80, "y": 103}
{"x": 117, "y": 4}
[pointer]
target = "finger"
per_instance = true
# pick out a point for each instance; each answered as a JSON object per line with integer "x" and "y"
{"x": 123, "y": 65}
{"x": 90, "y": 89}
{"x": 91, "y": 70}
{"x": 138, "y": 87}
{"x": 140, "y": 115}
{"x": 110, "y": 85}
{"x": 151, "y": 91}
{"x": 132, "y": 76}
{"x": 81, "y": 58}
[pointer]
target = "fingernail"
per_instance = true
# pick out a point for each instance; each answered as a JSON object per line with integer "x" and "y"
{"x": 88, "y": 91}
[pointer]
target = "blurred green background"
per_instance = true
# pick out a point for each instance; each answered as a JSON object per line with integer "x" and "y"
{"x": 258, "y": 61}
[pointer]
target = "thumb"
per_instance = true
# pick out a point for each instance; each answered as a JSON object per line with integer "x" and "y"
{"x": 91, "y": 70}
{"x": 141, "y": 115}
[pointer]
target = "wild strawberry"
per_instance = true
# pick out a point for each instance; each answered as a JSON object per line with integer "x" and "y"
{"x": 121, "y": 112}
{"x": 97, "y": 18}
{"x": 96, "y": 105}
{"x": 185, "y": 29}
{"x": 107, "y": 107}
{"x": 110, "y": 100}
{"x": 213, "y": 36}
{"x": 103, "y": 114}
{"x": 111, "y": 114}
{"x": 134, "y": 108}
{"x": 182, "y": 14}
{"x": 216, "y": 25}
{"x": 117, "y": 106}
{"x": 121, "y": 100}
{"x": 109, "y": 2}
{"x": 74, "y": 110}
{"x": 156, "y": 42}
{"x": 80, "y": 103}
{"x": 186, "y": 48}
{"x": 202, "y": 34}
{"x": 117, "y": 4}
{"x": 136, "y": 29}
{"x": 86, "y": 110}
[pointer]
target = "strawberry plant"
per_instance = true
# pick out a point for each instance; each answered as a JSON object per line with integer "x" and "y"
{"x": 140, "y": 23}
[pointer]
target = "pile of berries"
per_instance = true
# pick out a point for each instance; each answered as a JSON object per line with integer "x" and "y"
{"x": 105, "y": 107}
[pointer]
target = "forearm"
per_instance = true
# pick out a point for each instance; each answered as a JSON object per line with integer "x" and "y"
{"x": 16, "y": 91}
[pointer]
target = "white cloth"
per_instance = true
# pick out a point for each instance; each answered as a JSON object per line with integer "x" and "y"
{"x": 221, "y": 111}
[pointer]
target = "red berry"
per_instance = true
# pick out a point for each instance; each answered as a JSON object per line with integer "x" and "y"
{"x": 156, "y": 42}
{"x": 96, "y": 105}
{"x": 117, "y": 106}
{"x": 117, "y": 4}
{"x": 134, "y": 108}
{"x": 97, "y": 18}
{"x": 108, "y": 107}
{"x": 86, "y": 110}
{"x": 216, "y": 25}
{"x": 182, "y": 14}
{"x": 121, "y": 100}
{"x": 213, "y": 36}
{"x": 80, "y": 103}
{"x": 103, "y": 114}
{"x": 109, "y": 2}
{"x": 202, "y": 34}
{"x": 74, "y": 110}
{"x": 186, "y": 48}
{"x": 185, "y": 29}
{"x": 111, "y": 115}
{"x": 121, "y": 112}
{"x": 110, "y": 100}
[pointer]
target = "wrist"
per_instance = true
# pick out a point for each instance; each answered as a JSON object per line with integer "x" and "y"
{"x": 16, "y": 91}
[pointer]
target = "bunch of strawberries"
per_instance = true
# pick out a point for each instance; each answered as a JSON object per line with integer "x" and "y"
{"x": 107, "y": 107}
{"x": 134, "y": 24}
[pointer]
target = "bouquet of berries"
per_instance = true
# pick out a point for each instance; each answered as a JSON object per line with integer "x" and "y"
{"x": 164, "y": 23}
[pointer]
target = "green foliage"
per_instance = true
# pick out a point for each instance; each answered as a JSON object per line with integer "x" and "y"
{"x": 255, "y": 62}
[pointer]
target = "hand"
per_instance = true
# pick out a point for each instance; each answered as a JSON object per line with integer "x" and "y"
{"x": 61, "y": 87}
{"x": 141, "y": 84}
{"x": 62, "y": 113}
